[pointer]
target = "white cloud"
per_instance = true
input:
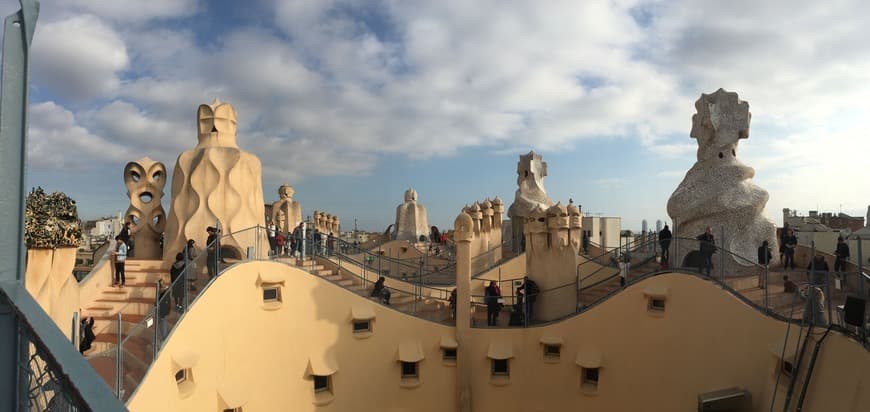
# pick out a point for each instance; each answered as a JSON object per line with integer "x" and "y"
{"x": 57, "y": 141}
{"x": 135, "y": 10}
{"x": 79, "y": 58}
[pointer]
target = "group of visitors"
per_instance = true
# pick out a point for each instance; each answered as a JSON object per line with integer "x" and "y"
{"x": 524, "y": 307}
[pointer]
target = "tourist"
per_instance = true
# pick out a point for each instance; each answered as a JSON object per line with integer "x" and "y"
{"x": 665, "y": 242}
{"x": 163, "y": 310}
{"x": 707, "y": 249}
{"x": 272, "y": 233}
{"x": 814, "y": 312}
{"x": 125, "y": 236}
{"x": 120, "y": 256}
{"x": 842, "y": 254}
{"x": 818, "y": 270}
{"x": 380, "y": 291}
{"x": 764, "y": 256}
{"x": 530, "y": 288}
{"x": 789, "y": 245}
{"x": 212, "y": 252}
{"x": 492, "y": 299}
{"x": 330, "y": 244}
{"x": 297, "y": 236}
{"x": 318, "y": 238}
{"x": 279, "y": 244}
{"x": 624, "y": 267}
{"x": 444, "y": 237}
{"x": 86, "y": 334}
{"x": 177, "y": 276}
{"x": 585, "y": 243}
{"x": 783, "y": 234}
{"x": 190, "y": 250}
{"x": 452, "y": 301}
{"x": 787, "y": 285}
{"x": 517, "y": 318}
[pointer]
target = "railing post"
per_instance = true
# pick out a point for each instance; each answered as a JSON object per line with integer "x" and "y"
{"x": 766, "y": 284}
{"x": 861, "y": 268}
{"x": 75, "y": 324}
{"x": 217, "y": 247}
{"x": 184, "y": 276}
{"x": 722, "y": 257}
{"x": 577, "y": 290}
{"x": 118, "y": 363}
{"x": 156, "y": 321}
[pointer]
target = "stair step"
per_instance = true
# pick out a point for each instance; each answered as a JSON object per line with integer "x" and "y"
{"x": 125, "y": 317}
{"x": 127, "y": 300}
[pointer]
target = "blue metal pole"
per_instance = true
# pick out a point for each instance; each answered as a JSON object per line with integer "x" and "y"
{"x": 17, "y": 36}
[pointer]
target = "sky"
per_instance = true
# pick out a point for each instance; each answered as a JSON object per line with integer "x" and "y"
{"x": 353, "y": 102}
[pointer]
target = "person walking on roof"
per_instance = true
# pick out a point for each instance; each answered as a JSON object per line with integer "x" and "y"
{"x": 665, "y": 242}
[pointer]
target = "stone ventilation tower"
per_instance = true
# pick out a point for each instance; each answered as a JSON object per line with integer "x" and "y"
{"x": 718, "y": 191}
{"x": 411, "y": 220}
{"x": 531, "y": 170}
{"x": 286, "y": 212}
{"x": 553, "y": 239}
{"x": 216, "y": 182}
{"x": 145, "y": 180}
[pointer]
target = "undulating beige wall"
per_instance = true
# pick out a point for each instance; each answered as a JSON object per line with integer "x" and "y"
{"x": 841, "y": 378}
{"x": 49, "y": 279}
{"x": 92, "y": 285}
{"x": 704, "y": 341}
{"x": 263, "y": 354}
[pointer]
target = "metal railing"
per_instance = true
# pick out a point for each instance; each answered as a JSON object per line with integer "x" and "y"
{"x": 139, "y": 342}
{"x": 51, "y": 374}
{"x": 814, "y": 296}
{"x": 409, "y": 295}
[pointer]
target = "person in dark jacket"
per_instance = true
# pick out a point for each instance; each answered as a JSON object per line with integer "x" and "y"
{"x": 492, "y": 297}
{"x": 665, "y": 242}
{"x": 789, "y": 244}
{"x": 178, "y": 276}
{"x": 212, "y": 252}
{"x": 86, "y": 334}
{"x": 380, "y": 291}
{"x": 163, "y": 309}
{"x": 787, "y": 285}
{"x": 764, "y": 256}
{"x": 707, "y": 249}
{"x": 531, "y": 290}
{"x": 126, "y": 236}
{"x": 818, "y": 270}
{"x": 842, "y": 254}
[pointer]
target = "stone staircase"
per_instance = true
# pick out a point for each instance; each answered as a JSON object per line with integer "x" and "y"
{"x": 423, "y": 307}
{"x": 133, "y": 302}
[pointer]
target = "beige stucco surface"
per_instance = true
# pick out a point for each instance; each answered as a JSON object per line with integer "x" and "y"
{"x": 49, "y": 279}
{"x": 705, "y": 340}
{"x": 264, "y": 354}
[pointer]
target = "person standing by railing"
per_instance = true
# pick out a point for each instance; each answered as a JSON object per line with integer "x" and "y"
{"x": 531, "y": 290}
{"x": 491, "y": 297}
{"x": 272, "y": 232}
{"x": 176, "y": 272}
{"x": 707, "y": 249}
{"x": 211, "y": 254}
{"x": 120, "y": 256}
{"x": 789, "y": 245}
{"x": 665, "y": 236}
{"x": 842, "y": 254}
